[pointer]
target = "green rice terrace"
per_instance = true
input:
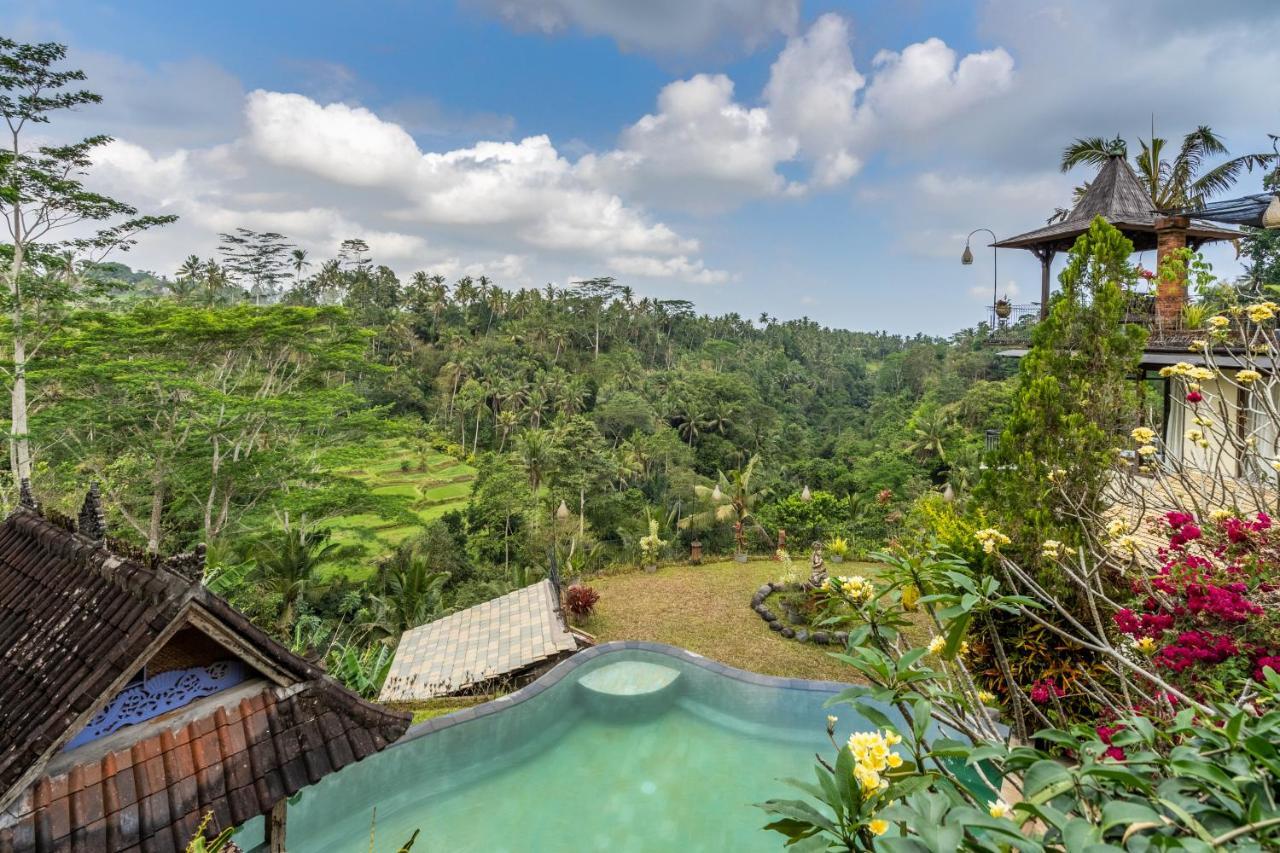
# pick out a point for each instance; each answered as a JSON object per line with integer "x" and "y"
{"x": 425, "y": 484}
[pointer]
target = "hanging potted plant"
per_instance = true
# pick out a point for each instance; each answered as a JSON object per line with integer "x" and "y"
{"x": 1004, "y": 308}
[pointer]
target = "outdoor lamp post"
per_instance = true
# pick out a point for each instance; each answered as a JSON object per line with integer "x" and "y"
{"x": 967, "y": 259}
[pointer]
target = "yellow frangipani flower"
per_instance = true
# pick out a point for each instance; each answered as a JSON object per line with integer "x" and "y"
{"x": 1248, "y": 377}
{"x": 878, "y": 826}
{"x": 1261, "y": 312}
{"x": 936, "y": 645}
{"x": 998, "y": 809}
{"x": 991, "y": 539}
{"x": 1219, "y": 322}
{"x": 1143, "y": 435}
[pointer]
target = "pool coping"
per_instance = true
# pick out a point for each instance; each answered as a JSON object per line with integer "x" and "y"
{"x": 569, "y": 664}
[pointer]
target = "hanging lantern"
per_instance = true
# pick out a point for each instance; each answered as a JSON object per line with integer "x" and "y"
{"x": 716, "y": 495}
{"x": 562, "y": 513}
{"x": 1271, "y": 216}
{"x": 805, "y": 494}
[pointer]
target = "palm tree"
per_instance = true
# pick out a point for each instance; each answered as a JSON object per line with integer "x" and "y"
{"x": 412, "y": 595}
{"x": 929, "y": 432}
{"x": 298, "y": 257}
{"x": 733, "y": 499}
{"x": 507, "y": 421}
{"x": 535, "y": 455}
{"x": 1170, "y": 184}
{"x": 285, "y": 564}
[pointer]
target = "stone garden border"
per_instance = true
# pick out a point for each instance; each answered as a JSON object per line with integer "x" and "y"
{"x": 775, "y": 622}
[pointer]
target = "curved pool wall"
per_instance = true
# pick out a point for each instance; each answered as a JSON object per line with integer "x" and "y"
{"x": 556, "y": 766}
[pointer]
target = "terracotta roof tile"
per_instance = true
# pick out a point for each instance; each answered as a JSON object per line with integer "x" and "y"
{"x": 76, "y": 621}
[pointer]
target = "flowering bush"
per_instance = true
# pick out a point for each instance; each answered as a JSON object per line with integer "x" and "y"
{"x": 1200, "y": 778}
{"x": 1201, "y": 615}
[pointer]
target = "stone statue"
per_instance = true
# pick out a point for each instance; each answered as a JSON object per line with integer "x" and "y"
{"x": 817, "y": 568}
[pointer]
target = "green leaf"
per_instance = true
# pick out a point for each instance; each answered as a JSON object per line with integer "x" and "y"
{"x": 1045, "y": 780}
{"x": 1202, "y": 769}
{"x": 875, "y": 716}
{"x": 1127, "y": 812}
{"x": 798, "y": 810}
{"x": 955, "y": 634}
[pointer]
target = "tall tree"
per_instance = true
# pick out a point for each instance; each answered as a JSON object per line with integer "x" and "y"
{"x": 1075, "y": 399}
{"x": 42, "y": 195}
{"x": 259, "y": 259}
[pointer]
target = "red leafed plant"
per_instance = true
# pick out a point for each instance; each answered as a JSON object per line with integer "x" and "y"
{"x": 581, "y": 600}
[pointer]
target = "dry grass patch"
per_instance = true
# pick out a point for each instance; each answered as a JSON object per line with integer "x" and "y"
{"x": 706, "y": 609}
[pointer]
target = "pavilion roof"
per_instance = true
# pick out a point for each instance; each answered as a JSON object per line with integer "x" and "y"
{"x": 1116, "y": 195}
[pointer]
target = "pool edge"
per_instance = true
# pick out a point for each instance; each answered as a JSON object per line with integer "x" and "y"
{"x": 566, "y": 666}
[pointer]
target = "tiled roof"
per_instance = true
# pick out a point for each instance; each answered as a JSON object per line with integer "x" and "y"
{"x": 76, "y": 623}
{"x": 487, "y": 641}
{"x": 235, "y": 762}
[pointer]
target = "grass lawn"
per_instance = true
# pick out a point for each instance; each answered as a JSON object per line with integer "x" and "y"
{"x": 707, "y": 609}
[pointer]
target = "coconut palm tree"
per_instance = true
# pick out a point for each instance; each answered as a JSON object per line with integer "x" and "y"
{"x": 298, "y": 259}
{"x": 1182, "y": 181}
{"x": 732, "y": 499}
{"x": 928, "y": 435}
{"x": 412, "y": 595}
{"x": 285, "y": 564}
{"x": 534, "y": 452}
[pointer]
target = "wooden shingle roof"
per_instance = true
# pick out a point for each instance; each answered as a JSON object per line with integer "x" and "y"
{"x": 1116, "y": 195}
{"x": 77, "y": 622}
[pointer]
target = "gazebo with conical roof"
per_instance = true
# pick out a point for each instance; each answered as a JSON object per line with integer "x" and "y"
{"x": 1117, "y": 195}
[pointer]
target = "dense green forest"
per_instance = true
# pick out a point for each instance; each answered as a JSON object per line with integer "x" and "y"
{"x": 248, "y": 398}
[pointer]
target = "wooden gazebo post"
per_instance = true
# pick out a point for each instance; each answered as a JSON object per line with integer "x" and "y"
{"x": 276, "y": 825}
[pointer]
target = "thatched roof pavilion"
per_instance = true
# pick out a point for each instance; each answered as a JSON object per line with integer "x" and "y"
{"x": 1117, "y": 195}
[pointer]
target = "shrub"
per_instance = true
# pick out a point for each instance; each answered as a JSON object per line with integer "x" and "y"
{"x": 1163, "y": 773}
{"x": 581, "y": 600}
{"x": 838, "y": 546}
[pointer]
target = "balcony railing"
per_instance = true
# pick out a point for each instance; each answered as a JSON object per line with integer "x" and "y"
{"x": 1012, "y": 324}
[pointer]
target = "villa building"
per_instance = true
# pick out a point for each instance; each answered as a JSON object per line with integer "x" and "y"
{"x": 134, "y": 702}
{"x": 1117, "y": 195}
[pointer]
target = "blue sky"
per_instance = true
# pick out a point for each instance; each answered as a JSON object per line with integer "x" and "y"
{"x": 795, "y": 158}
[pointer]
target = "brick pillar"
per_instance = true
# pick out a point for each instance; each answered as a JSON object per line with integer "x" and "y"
{"x": 1171, "y": 235}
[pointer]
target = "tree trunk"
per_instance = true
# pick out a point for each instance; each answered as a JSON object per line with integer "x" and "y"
{"x": 157, "y": 514}
{"x": 19, "y": 446}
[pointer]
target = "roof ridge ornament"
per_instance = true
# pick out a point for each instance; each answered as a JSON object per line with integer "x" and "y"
{"x": 92, "y": 521}
{"x": 25, "y": 496}
{"x": 188, "y": 565}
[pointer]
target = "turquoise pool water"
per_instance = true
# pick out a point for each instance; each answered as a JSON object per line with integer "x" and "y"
{"x": 633, "y": 750}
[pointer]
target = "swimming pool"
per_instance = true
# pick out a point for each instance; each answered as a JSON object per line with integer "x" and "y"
{"x": 623, "y": 747}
